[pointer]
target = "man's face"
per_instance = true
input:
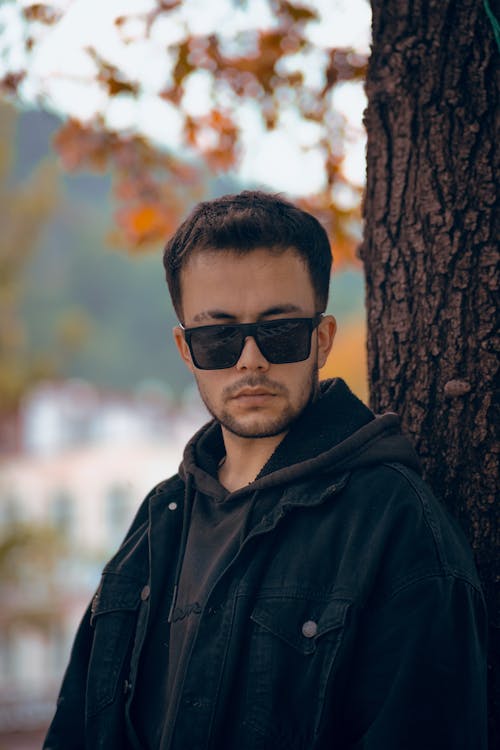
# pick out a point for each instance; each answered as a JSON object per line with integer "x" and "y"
{"x": 254, "y": 398}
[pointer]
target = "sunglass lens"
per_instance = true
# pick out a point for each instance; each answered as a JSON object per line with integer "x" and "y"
{"x": 217, "y": 348}
{"x": 284, "y": 341}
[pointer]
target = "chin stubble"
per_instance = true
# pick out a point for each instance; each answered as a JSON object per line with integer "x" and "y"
{"x": 279, "y": 424}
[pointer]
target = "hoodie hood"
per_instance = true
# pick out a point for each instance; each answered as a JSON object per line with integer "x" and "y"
{"x": 335, "y": 433}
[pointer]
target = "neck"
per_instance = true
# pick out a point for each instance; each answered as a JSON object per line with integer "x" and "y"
{"x": 245, "y": 458}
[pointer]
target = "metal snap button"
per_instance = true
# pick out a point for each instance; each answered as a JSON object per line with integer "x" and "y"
{"x": 309, "y": 629}
{"x": 172, "y": 506}
{"x": 145, "y": 593}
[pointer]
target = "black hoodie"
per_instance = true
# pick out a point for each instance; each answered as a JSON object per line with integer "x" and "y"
{"x": 336, "y": 432}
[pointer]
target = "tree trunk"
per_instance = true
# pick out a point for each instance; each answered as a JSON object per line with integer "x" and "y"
{"x": 430, "y": 249}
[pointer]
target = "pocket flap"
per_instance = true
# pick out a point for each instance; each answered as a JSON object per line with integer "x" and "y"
{"x": 300, "y": 621}
{"x": 116, "y": 592}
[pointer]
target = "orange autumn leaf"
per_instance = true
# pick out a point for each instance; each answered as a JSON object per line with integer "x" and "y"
{"x": 81, "y": 146}
{"x": 144, "y": 219}
{"x": 259, "y": 67}
{"x": 144, "y": 223}
{"x": 111, "y": 77}
{"x": 10, "y": 82}
{"x": 183, "y": 66}
{"x": 336, "y": 223}
{"x": 215, "y": 136}
{"x": 297, "y": 13}
{"x": 42, "y": 13}
{"x": 344, "y": 65}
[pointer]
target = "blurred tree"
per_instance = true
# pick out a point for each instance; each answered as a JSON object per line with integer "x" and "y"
{"x": 24, "y": 210}
{"x": 152, "y": 187}
{"x": 270, "y": 68}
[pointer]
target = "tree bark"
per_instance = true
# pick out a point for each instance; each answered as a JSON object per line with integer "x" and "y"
{"x": 432, "y": 225}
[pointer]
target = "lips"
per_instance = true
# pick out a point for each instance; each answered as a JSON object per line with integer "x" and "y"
{"x": 252, "y": 393}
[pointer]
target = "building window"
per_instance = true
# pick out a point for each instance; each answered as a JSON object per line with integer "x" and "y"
{"x": 11, "y": 510}
{"x": 62, "y": 513}
{"x": 117, "y": 512}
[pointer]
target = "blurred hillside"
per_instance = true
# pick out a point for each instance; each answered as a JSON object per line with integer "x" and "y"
{"x": 98, "y": 312}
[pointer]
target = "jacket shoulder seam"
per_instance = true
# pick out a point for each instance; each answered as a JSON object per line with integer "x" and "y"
{"x": 433, "y": 528}
{"x": 167, "y": 485}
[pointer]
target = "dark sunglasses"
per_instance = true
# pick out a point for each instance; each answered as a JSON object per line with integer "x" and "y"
{"x": 280, "y": 341}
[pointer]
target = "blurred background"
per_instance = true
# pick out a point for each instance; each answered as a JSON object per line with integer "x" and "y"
{"x": 114, "y": 122}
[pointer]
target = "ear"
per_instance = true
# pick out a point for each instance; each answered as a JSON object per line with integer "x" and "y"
{"x": 182, "y": 347}
{"x": 326, "y": 334}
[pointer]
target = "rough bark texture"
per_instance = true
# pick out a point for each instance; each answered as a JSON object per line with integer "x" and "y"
{"x": 430, "y": 252}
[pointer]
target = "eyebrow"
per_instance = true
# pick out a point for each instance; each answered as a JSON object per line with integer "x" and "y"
{"x": 223, "y": 315}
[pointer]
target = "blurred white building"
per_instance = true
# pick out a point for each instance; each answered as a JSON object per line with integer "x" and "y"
{"x": 88, "y": 461}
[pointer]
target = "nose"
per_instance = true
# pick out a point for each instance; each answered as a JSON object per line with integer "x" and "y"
{"x": 251, "y": 358}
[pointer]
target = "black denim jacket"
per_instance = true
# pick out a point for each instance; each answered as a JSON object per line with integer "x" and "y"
{"x": 352, "y": 618}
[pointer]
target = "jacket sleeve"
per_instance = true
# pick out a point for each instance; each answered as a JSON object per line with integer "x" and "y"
{"x": 418, "y": 676}
{"x": 70, "y": 729}
{"x": 67, "y": 730}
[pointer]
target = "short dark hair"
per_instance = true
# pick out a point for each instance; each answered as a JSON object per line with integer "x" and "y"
{"x": 244, "y": 222}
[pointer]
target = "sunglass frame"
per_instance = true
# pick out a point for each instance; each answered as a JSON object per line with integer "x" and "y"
{"x": 249, "y": 329}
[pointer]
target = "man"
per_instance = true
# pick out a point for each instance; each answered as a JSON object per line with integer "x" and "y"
{"x": 295, "y": 585}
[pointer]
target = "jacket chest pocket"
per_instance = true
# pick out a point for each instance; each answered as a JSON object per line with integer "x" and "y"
{"x": 114, "y": 615}
{"x": 294, "y": 643}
